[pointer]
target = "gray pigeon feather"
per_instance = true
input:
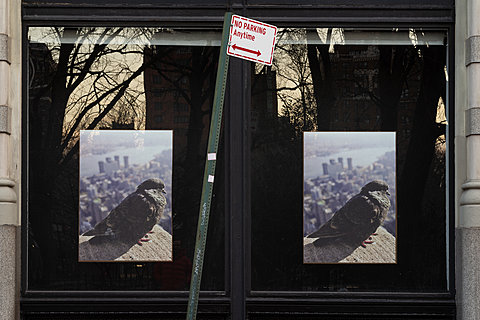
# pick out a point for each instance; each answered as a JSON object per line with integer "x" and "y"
{"x": 136, "y": 215}
{"x": 358, "y": 218}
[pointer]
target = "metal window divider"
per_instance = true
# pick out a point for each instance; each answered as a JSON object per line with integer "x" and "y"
{"x": 209, "y": 173}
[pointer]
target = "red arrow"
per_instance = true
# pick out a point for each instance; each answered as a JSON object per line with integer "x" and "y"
{"x": 235, "y": 47}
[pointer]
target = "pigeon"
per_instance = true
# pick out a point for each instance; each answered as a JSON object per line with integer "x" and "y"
{"x": 134, "y": 217}
{"x": 358, "y": 219}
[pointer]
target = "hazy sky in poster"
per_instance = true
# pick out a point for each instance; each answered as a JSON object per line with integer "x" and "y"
{"x": 139, "y": 146}
{"x": 363, "y": 147}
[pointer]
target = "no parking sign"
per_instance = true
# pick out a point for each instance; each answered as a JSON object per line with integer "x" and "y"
{"x": 252, "y": 40}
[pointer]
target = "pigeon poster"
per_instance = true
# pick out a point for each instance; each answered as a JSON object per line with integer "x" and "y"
{"x": 125, "y": 195}
{"x": 349, "y": 197}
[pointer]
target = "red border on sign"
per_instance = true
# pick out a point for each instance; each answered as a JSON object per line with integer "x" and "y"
{"x": 256, "y": 22}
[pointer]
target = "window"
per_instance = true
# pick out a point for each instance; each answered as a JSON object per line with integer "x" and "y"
{"x": 181, "y": 119}
{"x": 108, "y": 89}
{"x": 311, "y": 94}
{"x": 157, "y": 79}
{"x": 181, "y": 107}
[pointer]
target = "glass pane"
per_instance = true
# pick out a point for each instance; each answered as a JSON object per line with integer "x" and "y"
{"x": 117, "y": 79}
{"x": 339, "y": 80}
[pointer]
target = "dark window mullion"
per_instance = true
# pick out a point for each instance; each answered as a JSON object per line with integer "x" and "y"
{"x": 237, "y": 193}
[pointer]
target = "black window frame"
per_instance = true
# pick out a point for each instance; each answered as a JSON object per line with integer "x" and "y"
{"x": 238, "y": 301}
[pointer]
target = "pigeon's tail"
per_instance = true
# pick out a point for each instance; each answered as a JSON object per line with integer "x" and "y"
{"x": 89, "y": 233}
{"x": 101, "y": 229}
{"x": 320, "y": 242}
{"x": 100, "y": 240}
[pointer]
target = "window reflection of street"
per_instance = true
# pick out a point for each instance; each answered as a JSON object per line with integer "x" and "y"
{"x": 348, "y": 80}
{"x": 100, "y": 78}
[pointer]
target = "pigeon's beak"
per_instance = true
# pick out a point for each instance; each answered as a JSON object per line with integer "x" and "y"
{"x": 388, "y": 193}
{"x": 163, "y": 191}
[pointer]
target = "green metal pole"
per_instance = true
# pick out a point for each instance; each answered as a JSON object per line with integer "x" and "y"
{"x": 209, "y": 174}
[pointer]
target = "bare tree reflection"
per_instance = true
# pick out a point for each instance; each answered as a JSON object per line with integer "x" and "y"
{"x": 94, "y": 78}
{"x": 323, "y": 82}
{"x": 78, "y": 80}
{"x": 187, "y": 78}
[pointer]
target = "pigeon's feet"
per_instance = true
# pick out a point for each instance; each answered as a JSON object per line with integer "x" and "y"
{"x": 365, "y": 242}
{"x": 144, "y": 239}
{"x": 369, "y": 240}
